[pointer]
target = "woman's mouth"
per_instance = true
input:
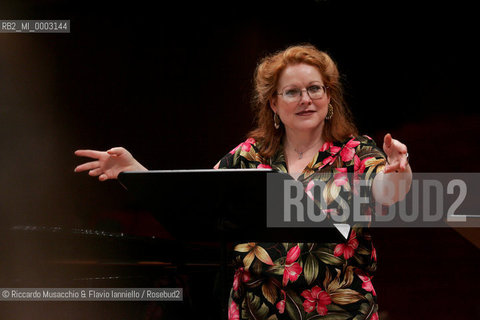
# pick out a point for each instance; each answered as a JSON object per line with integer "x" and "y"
{"x": 305, "y": 113}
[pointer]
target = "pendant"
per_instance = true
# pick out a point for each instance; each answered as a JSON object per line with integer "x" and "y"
{"x": 300, "y": 154}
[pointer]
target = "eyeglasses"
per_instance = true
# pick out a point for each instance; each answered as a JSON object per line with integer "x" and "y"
{"x": 315, "y": 92}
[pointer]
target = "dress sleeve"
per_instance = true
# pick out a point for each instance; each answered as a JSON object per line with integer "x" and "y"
{"x": 369, "y": 160}
{"x": 245, "y": 155}
{"x": 228, "y": 161}
{"x": 372, "y": 157}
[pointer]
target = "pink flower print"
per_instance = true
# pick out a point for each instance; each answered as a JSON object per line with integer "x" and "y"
{"x": 329, "y": 146}
{"x": 292, "y": 269}
{"x": 240, "y": 275}
{"x": 326, "y": 146}
{"x": 263, "y": 166}
{"x": 358, "y": 168}
{"x": 358, "y": 165}
{"x": 233, "y": 313}
{"x": 244, "y": 145}
{"x": 334, "y": 150}
{"x": 348, "y": 249}
{"x": 374, "y": 316}
{"x": 308, "y": 188}
{"x": 374, "y": 253}
{"x": 281, "y": 304}
{"x": 349, "y": 150}
{"x": 367, "y": 285}
{"x": 316, "y": 299}
{"x": 367, "y": 281}
{"x": 328, "y": 160}
{"x": 236, "y": 148}
{"x": 340, "y": 178}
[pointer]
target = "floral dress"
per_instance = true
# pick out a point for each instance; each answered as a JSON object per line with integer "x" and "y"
{"x": 327, "y": 280}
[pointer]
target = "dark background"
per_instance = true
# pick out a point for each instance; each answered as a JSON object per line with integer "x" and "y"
{"x": 171, "y": 82}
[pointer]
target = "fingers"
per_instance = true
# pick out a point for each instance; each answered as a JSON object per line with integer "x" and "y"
{"x": 399, "y": 164}
{"x": 89, "y": 153}
{"x": 398, "y": 151}
{"x": 117, "y": 151}
{"x": 87, "y": 166}
{"x": 104, "y": 162}
{"x": 387, "y": 140}
{"x": 400, "y": 147}
{"x": 396, "y": 167}
{"x": 404, "y": 162}
{"x": 95, "y": 172}
{"x": 98, "y": 172}
{"x": 390, "y": 168}
{"x": 393, "y": 147}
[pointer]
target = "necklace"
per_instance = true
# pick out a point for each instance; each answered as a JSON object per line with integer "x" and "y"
{"x": 300, "y": 154}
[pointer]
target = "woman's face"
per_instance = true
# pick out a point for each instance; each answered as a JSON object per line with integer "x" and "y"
{"x": 303, "y": 113}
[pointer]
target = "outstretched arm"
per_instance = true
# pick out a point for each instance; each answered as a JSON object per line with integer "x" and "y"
{"x": 108, "y": 164}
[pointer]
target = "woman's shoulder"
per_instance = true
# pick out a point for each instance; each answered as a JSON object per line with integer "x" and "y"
{"x": 354, "y": 141}
{"x": 367, "y": 147}
{"x": 245, "y": 146}
{"x": 366, "y": 140}
{"x": 244, "y": 155}
{"x": 361, "y": 147}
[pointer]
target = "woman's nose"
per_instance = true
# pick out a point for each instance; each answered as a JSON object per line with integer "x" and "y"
{"x": 305, "y": 97}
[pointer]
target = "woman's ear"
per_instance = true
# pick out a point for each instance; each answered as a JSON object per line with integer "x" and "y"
{"x": 273, "y": 104}
{"x": 328, "y": 98}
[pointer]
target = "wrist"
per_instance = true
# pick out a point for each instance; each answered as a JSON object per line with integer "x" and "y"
{"x": 136, "y": 166}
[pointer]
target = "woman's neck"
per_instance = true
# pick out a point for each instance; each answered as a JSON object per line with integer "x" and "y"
{"x": 303, "y": 143}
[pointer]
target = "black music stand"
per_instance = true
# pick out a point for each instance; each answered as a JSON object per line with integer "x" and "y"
{"x": 199, "y": 204}
{"x": 219, "y": 205}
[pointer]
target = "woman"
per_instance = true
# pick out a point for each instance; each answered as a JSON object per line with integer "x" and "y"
{"x": 303, "y": 129}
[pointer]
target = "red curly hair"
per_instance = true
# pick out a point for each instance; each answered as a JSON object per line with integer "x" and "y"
{"x": 267, "y": 73}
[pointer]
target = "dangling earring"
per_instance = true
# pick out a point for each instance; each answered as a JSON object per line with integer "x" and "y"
{"x": 276, "y": 121}
{"x": 330, "y": 112}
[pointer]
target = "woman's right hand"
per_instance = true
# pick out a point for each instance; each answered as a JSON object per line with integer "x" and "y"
{"x": 108, "y": 164}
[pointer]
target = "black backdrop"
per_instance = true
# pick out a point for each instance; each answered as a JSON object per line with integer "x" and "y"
{"x": 171, "y": 82}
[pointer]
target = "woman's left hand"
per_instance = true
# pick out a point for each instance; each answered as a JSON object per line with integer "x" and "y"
{"x": 397, "y": 156}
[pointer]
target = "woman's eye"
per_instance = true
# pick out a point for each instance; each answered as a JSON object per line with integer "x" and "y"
{"x": 291, "y": 92}
{"x": 314, "y": 89}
